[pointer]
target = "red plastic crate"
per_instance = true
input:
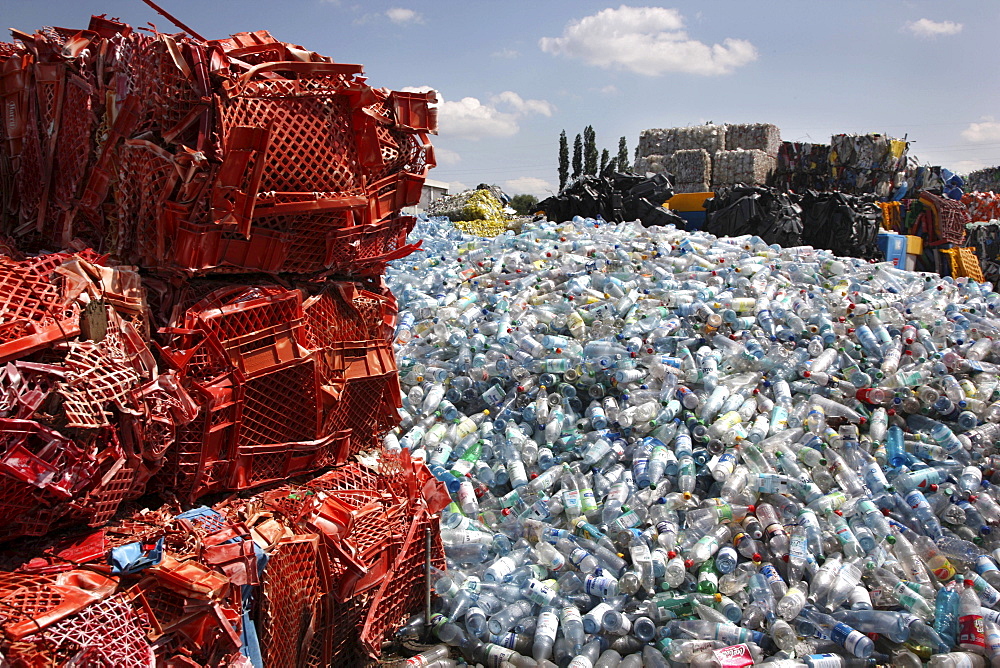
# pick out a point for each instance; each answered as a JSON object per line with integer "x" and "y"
{"x": 281, "y": 406}
{"x": 367, "y": 406}
{"x": 345, "y": 311}
{"x": 290, "y": 601}
{"x": 32, "y": 315}
{"x": 111, "y": 630}
{"x": 257, "y": 465}
{"x": 365, "y": 250}
{"x": 403, "y": 590}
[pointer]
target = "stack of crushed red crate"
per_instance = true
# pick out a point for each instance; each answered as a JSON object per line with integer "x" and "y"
{"x": 313, "y": 574}
{"x": 217, "y": 324}
{"x": 199, "y": 157}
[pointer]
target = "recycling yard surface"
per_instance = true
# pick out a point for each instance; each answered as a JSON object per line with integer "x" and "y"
{"x": 735, "y": 402}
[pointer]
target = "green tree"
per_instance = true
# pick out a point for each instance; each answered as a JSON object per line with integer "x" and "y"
{"x": 525, "y": 205}
{"x": 577, "y": 157}
{"x": 589, "y": 151}
{"x": 563, "y": 160}
{"x": 605, "y": 157}
{"x": 623, "y": 162}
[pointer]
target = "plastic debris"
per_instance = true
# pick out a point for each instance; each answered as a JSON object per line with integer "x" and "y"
{"x": 190, "y": 156}
{"x": 315, "y": 573}
{"x": 614, "y": 197}
{"x": 483, "y": 211}
{"x": 256, "y": 187}
{"x": 694, "y": 449}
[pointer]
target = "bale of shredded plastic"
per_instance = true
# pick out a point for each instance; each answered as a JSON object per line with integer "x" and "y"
{"x": 479, "y": 212}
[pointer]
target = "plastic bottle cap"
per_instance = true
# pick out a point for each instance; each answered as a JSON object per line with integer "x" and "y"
{"x": 751, "y": 509}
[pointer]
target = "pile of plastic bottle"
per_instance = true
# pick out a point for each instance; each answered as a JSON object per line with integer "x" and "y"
{"x": 666, "y": 448}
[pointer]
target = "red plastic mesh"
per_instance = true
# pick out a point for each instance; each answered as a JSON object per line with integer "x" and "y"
{"x": 97, "y": 379}
{"x": 30, "y": 168}
{"x": 364, "y": 250}
{"x": 167, "y": 94}
{"x": 367, "y": 406}
{"x": 306, "y": 235}
{"x": 31, "y": 312}
{"x": 312, "y": 140}
{"x": 261, "y": 307}
{"x": 103, "y": 503}
{"x": 402, "y": 592}
{"x": 146, "y": 176}
{"x": 110, "y": 631}
{"x": 164, "y": 607}
{"x": 27, "y": 597}
{"x": 74, "y": 146}
{"x": 16, "y": 498}
{"x": 199, "y": 460}
{"x": 345, "y": 620}
{"x": 289, "y": 605}
{"x": 281, "y": 406}
{"x": 342, "y": 312}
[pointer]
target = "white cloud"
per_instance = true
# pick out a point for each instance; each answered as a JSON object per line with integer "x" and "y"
{"x": 506, "y": 54}
{"x": 928, "y": 28}
{"x": 470, "y": 118}
{"x": 446, "y": 157}
{"x": 402, "y": 16}
{"x": 980, "y": 133}
{"x": 523, "y": 107}
{"x": 646, "y": 40}
{"x": 529, "y": 185}
{"x": 455, "y": 187}
{"x": 609, "y": 90}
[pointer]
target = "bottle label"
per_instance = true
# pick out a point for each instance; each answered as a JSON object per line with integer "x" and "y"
{"x": 846, "y": 637}
{"x": 987, "y": 594}
{"x": 601, "y": 586}
{"x": 557, "y": 561}
{"x": 941, "y": 567}
{"x": 508, "y": 640}
{"x": 734, "y": 656}
{"x": 548, "y": 623}
{"x": 985, "y": 564}
{"x": 990, "y": 615}
{"x": 502, "y": 568}
{"x": 825, "y": 661}
{"x": 972, "y": 633}
{"x": 771, "y": 574}
{"x": 496, "y": 655}
{"x": 587, "y": 501}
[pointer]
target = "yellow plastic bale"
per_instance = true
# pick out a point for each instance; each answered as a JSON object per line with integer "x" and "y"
{"x": 481, "y": 228}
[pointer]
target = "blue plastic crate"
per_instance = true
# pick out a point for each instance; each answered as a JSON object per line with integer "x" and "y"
{"x": 894, "y": 248}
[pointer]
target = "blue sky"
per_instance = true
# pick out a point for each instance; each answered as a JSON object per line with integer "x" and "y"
{"x": 512, "y": 74}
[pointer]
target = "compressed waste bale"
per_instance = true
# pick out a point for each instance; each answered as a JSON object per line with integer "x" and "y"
{"x": 752, "y": 167}
{"x": 657, "y": 164}
{"x": 760, "y": 136}
{"x": 665, "y": 141}
{"x": 691, "y": 166}
{"x": 773, "y": 216}
{"x": 984, "y": 180}
{"x": 844, "y": 224}
{"x": 483, "y": 211}
{"x": 699, "y": 187}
